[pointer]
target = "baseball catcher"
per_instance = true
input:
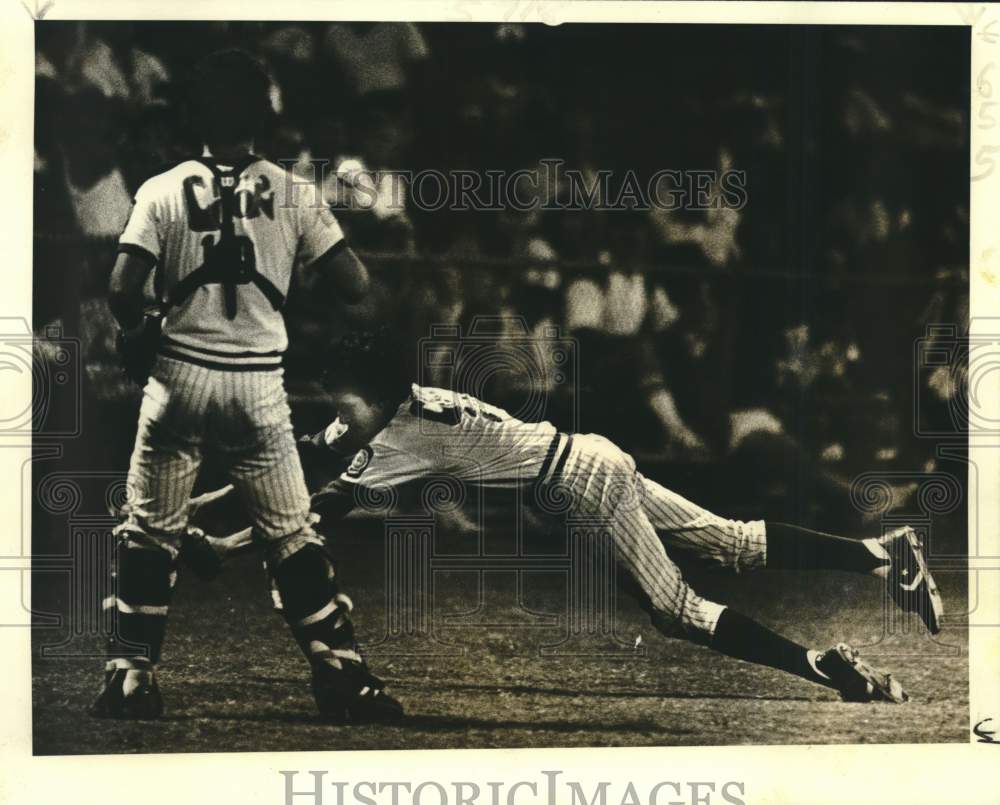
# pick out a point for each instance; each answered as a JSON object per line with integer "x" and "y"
{"x": 224, "y": 231}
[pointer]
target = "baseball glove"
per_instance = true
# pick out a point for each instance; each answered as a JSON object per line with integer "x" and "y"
{"x": 137, "y": 348}
{"x": 199, "y": 555}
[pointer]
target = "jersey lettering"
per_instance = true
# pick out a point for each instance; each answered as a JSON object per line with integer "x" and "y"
{"x": 442, "y": 406}
{"x": 250, "y": 203}
{"x": 433, "y": 405}
{"x": 476, "y": 407}
{"x": 213, "y": 229}
{"x": 202, "y": 219}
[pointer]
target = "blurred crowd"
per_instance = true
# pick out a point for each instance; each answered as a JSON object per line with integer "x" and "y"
{"x": 699, "y": 332}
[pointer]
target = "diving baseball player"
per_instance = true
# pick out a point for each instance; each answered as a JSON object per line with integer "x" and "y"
{"x": 224, "y": 232}
{"x": 397, "y": 432}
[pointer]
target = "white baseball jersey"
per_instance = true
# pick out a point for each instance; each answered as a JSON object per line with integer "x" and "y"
{"x": 181, "y": 217}
{"x": 437, "y": 432}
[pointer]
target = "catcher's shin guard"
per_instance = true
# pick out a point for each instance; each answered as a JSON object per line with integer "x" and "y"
{"x": 144, "y": 581}
{"x": 311, "y": 603}
{"x": 319, "y": 617}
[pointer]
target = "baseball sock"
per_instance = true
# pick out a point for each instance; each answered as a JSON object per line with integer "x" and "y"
{"x": 738, "y": 636}
{"x": 791, "y": 547}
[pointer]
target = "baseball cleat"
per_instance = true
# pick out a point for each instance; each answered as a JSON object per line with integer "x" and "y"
{"x": 856, "y": 680}
{"x": 351, "y": 694}
{"x": 909, "y": 580}
{"x": 128, "y": 694}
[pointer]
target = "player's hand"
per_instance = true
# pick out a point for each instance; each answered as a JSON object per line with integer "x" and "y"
{"x": 137, "y": 348}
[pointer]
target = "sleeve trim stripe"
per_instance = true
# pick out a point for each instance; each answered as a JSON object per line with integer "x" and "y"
{"x": 137, "y": 251}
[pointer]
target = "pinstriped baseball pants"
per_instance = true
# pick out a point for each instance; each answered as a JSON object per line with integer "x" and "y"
{"x": 733, "y": 544}
{"x": 243, "y": 416}
{"x": 603, "y": 482}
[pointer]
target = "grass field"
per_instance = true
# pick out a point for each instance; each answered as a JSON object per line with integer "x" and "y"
{"x": 234, "y": 681}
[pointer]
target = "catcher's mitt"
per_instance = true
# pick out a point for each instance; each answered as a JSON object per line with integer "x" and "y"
{"x": 137, "y": 348}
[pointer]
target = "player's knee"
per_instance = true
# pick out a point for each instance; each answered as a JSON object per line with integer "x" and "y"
{"x": 621, "y": 487}
{"x": 277, "y": 549}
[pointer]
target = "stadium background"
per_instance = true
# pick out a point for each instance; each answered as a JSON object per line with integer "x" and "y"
{"x": 783, "y": 332}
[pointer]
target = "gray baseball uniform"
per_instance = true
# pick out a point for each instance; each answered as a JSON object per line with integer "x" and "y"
{"x": 438, "y": 432}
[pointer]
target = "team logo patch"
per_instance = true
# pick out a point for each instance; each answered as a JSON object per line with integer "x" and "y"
{"x": 360, "y": 463}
